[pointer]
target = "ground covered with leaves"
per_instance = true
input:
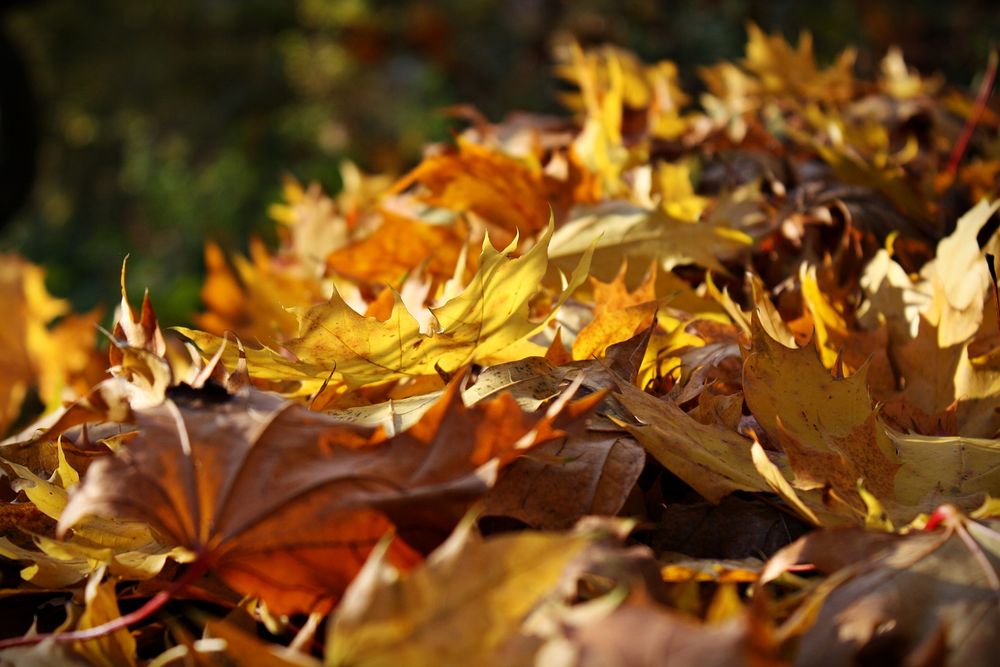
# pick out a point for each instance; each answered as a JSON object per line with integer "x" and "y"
{"x": 656, "y": 381}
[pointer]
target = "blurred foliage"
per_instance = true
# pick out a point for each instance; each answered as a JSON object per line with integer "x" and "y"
{"x": 165, "y": 124}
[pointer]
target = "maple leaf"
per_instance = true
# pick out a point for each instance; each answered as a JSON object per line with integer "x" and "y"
{"x": 312, "y": 224}
{"x": 861, "y": 156}
{"x": 899, "y": 597}
{"x": 254, "y": 485}
{"x": 33, "y": 355}
{"x": 251, "y": 298}
{"x": 612, "y": 82}
{"x": 958, "y": 279}
{"x": 241, "y": 646}
{"x": 783, "y": 70}
{"x": 639, "y": 633}
{"x": 101, "y": 607}
{"x": 866, "y": 397}
{"x": 491, "y": 314}
{"x": 437, "y": 613}
{"x": 616, "y": 73}
{"x": 833, "y": 437}
{"x": 125, "y": 548}
{"x": 380, "y": 258}
{"x": 945, "y": 469}
{"x": 504, "y": 192}
{"x": 904, "y": 82}
{"x": 827, "y": 426}
{"x": 599, "y": 147}
{"x": 712, "y": 460}
{"x": 843, "y": 346}
{"x": 618, "y": 313}
{"x": 620, "y": 230}
{"x": 932, "y": 323}
{"x": 562, "y": 481}
{"x": 773, "y": 71}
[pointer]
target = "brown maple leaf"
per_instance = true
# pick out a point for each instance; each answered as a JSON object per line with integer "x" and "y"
{"x": 286, "y": 504}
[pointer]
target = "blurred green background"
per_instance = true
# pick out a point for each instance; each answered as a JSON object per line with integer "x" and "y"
{"x": 161, "y": 124}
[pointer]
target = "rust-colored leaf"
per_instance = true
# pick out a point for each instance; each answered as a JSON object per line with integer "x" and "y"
{"x": 257, "y": 486}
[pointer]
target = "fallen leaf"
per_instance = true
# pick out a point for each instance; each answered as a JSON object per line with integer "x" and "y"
{"x": 958, "y": 278}
{"x": 827, "y": 427}
{"x": 254, "y": 485}
{"x": 622, "y": 231}
{"x": 507, "y": 194}
{"x": 897, "y": 592}
{"x": 437, "y": 613}
{"x": 712, "y": 460}
{"x": 34, "y": 355}
{"x": 244, "y": 648}
{"x": 251, "y": 297}
{"x": 101, "y": 606}
{"x": 491, "y": 314}
{"x": 126, "y": 548}
{"x": 641, "y": 633}
{"x": 380, "y": 258}
{"x": 562, "y": 481}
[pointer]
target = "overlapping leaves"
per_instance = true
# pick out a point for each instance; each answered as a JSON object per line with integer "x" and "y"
{"x": 771, "y": 317}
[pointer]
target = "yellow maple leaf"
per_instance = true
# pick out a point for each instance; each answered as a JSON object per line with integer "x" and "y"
{"x": 611, "y": 81}
{"x": 826, "y": 426}
{"x": 381, "y": 258}
{"x": 783, "y": 70}
{"x": 492, "y": 314}
{"x": 437, "y": 614}
{"x": 126, "y": 548}
{"x": 903, "y": 82}
{"x": 677, "y": 196}
{"x": 31, "y": 353}
{"x": 619, "y": 230}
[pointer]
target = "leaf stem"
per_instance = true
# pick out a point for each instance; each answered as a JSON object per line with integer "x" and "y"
{"x": 151, "y": 606}
{"x": 977, "y": 111}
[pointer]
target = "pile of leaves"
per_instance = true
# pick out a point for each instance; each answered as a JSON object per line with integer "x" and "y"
{"x": 713, "y": 384}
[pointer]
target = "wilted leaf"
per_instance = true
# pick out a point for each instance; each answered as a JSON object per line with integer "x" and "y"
{"x": 251, "y": 298}
{"x": 381, "y": 258}
{"x": 895, "y": 594}
{"x": 623, "y": 231}
{"x": 958, "y": 279}
{"x": 127, "y": 548}
{"x": 255, "y": 485}
{"x": 31, "y": 354}
{"x": 559, "y": 482}
{"x": 244, "y": 648}
{"x": 826, "y": 426}
{"x": 938, "y": 470}
{"x": 712, "y": 460}
{"x": 462, "y": 605}
{"x": 641, "y": 633}
{"x": 618, "y": 313}
{"x": 116, "y": 649}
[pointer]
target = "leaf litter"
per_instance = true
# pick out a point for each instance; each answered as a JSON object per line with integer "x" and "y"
{"x": 711, "y": 383}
